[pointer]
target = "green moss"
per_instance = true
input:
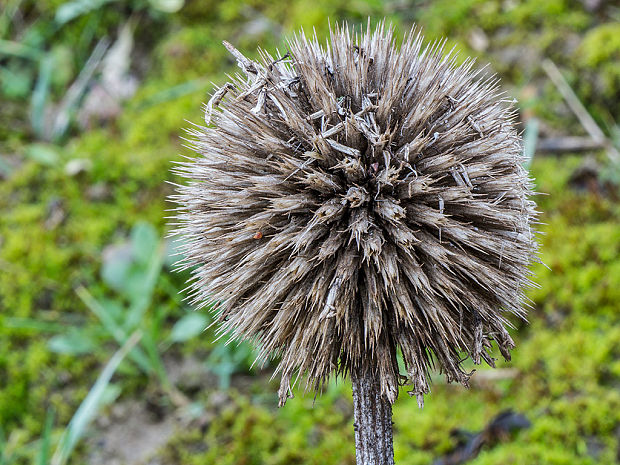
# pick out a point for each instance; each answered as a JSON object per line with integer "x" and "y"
{"x": 597, "y": 59}
{"x": 601, "y": 45}
{"x": 197, "y": 50}
{"x": 245, "y": 432}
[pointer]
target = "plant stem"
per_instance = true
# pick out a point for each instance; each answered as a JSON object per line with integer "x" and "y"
{"x": 373, "y": 421}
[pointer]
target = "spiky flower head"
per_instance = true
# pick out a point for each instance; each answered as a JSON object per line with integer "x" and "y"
{"x": 355, "y": 199}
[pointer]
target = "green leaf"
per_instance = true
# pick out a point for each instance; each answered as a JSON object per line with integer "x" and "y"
{"x": 167, "y": 6}
{"x": 114, "y": 329}
{"x": 117, "y": 261}
{"x": 45, "y": 154}
{"x": 132, "y": 283}
{"x": 113, "y": 308}
{"x": 227, "y": 359}
{"x": 18, "y": 49}
{"x": 191, "y": 325}
{"x": 70, "y": 10}
{"x": 140, "y": 301}
{"x": 144, "y": 241}
{"x": 15, "y": 83}
{"x": 73, "y": 343}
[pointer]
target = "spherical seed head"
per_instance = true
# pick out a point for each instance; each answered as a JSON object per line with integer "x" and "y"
{"x": 355, "y": 199}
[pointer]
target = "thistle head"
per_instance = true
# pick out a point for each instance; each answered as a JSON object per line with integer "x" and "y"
{"x": 356, "y": 199}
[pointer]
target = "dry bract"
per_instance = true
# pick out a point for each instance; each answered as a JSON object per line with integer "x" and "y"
{"x": 357, "y": 198}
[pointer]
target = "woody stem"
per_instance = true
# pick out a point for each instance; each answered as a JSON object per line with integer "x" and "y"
{"x": 373, "y": 421}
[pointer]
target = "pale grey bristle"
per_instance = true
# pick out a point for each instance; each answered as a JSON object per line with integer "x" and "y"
{"x": 357, "y": 198}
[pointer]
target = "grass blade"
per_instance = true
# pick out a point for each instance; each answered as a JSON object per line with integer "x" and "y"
{"x": 12, "y": 48}
{"x": 156, "y": 361}
{"x": 33, "y": 324}
{"x": 72, "y": 97}
{"x": 40, "y": 95}
{"x": 530, "y": 138}
{"x": 45, "y": 445}
{"x": 90, "y": 405}
{"x": 113, "y": 329}
{"x": 4, "y": 460}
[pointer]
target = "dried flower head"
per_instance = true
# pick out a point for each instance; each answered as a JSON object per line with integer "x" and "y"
{"x": 355, "y": 199}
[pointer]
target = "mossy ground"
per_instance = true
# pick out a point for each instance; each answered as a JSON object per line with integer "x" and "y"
{"x": 54, "y": 227}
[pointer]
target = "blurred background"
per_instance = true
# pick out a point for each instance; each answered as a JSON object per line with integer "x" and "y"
{"x": 100, "y": 360}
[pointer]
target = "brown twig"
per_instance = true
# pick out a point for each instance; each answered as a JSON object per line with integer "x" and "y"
{"x": 567, "y": 144}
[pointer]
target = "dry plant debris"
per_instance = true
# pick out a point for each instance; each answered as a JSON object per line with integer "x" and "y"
{"x": 357, "y": 198}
